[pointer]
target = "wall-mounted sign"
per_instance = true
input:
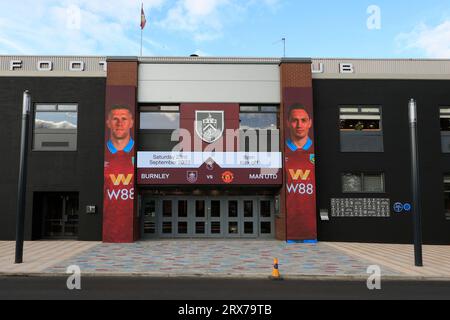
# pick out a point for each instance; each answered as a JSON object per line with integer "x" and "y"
{"x": 402, "y": 207}
{"x": 366, "y": 207}
{"x": 194, "y": 160}
{"x": 209, "y": 168}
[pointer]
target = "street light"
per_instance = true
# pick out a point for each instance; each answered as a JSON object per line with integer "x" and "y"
{"x": 416, "y": 184}
{"x": 21, "y": 194}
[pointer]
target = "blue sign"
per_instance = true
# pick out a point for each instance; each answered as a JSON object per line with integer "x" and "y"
{"x": 398, "y": 207}
{"x": 407, "y": 207}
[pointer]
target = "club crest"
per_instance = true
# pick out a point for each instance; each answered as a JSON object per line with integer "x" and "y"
{"x": 209, "y": 125}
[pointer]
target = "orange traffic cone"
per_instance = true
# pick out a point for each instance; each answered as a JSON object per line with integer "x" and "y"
{"x": 276, "y": 273}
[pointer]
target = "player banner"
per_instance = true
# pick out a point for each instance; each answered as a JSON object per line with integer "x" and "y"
{"x": 300, "y": 164}
{"x": 119, "y": 178}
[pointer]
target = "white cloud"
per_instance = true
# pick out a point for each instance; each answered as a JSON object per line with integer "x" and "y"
{"x": 205, "y": 20}
{"x": 111, "y": 27}
{"x": 45, "y": 27}
{"x": 433, "y": 41}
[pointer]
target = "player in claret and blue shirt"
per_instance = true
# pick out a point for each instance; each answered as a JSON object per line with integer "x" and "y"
{"x": 118, "y": 173}
{"x": 300, "y": 175}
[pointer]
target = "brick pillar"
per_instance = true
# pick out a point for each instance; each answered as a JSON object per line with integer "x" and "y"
{"x": 119, "y": 213}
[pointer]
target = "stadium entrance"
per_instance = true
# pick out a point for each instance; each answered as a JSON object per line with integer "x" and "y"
{"x": 207, "y": 217}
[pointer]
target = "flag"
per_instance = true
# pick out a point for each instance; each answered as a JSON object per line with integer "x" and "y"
{"x": 143, "y": 20}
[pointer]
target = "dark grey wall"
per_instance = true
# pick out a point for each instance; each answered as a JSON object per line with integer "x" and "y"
{"x": 80, "y": 171}
{"x": 393, "y": 96}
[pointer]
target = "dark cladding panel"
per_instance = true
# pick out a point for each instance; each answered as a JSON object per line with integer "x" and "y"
{"x": 69, "y": 171}
{"x": 394, "y": 162}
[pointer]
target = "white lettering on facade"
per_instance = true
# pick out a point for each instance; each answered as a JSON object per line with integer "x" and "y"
{"x": 346, "y": 68}
{"x": 263, "y": 177}
{"x": 45, "y": 66}
{"x": 163, "y": 176}
{"x": 321, "y": 68}
{"x": 13, "y": 64}
{"x": 76, "y": 66}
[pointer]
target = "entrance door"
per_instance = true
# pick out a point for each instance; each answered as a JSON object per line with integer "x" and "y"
{"x": 150, "y": 214}
{"x": 215, "y": 217}
{"x": 197, "y": 217}
{"x": 60, "y": 212}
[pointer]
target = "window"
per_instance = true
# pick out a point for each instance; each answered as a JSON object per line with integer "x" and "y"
{"x": 362, "y": 119}
{"x": 259, "y": 128}
{"x": 363, "y": 183}
{"x": 258, "y": 118}
{"x": 445, "y": 119}
{"x": 445, "y": 129}
{"x": 55, "y": 127}
{"x": 361, "y": 129}
{"x": 447, "y": 196}
{"x": 157, "y": 125}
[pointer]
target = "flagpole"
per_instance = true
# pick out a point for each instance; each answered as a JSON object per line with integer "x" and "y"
{"x": 141, "y": 41}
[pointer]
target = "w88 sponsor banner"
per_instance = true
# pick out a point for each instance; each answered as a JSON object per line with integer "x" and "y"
{"x": 300, "y": 164}
{"x": 119, "y": 168}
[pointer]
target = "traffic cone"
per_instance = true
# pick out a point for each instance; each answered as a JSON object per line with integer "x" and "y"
{"x": 276, "y": 273}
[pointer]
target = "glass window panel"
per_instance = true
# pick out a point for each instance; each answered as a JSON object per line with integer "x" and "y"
{"x": 266, "y": 227}
{"x": 182, "y": 227}
{"x": 215, "y": 209}
{"x": 360, "y": 125}
{"x": 200, "y": 209}
{"x": 258, "y": 121}
{"x": 265, "y": 209}
{"x": 233, "y": 227}
{"x": 159, "y": 121}
{"x": 67, "y": 107}
{"x": 370, "y": 110}
{"x": 46, "y": 107}
{"x": 167, "y": 208}
{"x": 351, "y": 182}
{"x": 167, "y": 227}
{"x": 170, "y": 108}
{"x": 360, "y": 119}
{"x": 149, "y": 108}
{"x": 349, "y": 110}
{"x": 447, "y": 197}
{"x": 373, "y": 183}
{"x": 269, "y": 109}
{"x": 248, "y": 227}
{"x": 215, "y": 227}
{"x": 248, "y": 209}
{"x": 182, "y": 208}
{"x": 232, "y": 209}
{"x": 56, "y": 120}
{"x": 249, "y": 108}
{"x": 445, "y": 124}
{"x": 445, "y": 119}
{"x": 200, "y": 228}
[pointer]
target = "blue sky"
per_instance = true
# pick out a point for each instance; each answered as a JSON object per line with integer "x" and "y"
{"x": 319, "y": 28}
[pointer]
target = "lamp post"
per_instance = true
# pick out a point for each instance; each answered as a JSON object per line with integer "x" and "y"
{"x": 21, "y": 194}
{"x": 415, "y": 180}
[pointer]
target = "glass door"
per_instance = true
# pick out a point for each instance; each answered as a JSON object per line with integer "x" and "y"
{"x": 233, "y": 218}
{"x": 200, "y": 218}
{"x": 61, "y": 217}
{"x": 215, "y": 215}
{"x": 250, "y": 218}
{"x": 149, "y": 218}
